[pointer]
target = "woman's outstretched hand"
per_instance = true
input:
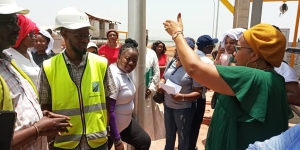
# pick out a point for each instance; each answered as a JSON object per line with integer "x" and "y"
{"x": 173, "y": 26}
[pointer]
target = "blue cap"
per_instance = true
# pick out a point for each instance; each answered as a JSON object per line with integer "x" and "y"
{"x": 206, "y": 40}
{"x": 190, "y": 43}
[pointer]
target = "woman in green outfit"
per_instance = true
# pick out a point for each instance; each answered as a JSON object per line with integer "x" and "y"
{"x": 253, "y": 104}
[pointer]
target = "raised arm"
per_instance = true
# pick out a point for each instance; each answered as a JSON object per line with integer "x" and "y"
{"x": 203, "y": 73}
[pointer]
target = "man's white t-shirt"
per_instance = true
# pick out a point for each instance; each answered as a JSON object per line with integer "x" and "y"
{"x": 287, "y": 72}
{"x": 204, "y": 59}
{"x": 124, "y": 97}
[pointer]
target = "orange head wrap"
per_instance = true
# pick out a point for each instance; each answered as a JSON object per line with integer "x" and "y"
{"x": 267, "y": 42}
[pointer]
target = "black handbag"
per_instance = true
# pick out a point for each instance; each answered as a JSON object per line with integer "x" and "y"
{"x": 159, "y": 97}
{"x": 214, "y": 100}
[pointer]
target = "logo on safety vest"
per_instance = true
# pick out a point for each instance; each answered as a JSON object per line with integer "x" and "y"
{"x": 95, "y": 86}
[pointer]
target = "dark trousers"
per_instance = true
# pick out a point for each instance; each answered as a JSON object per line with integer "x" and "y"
{"x": 134, "y": 135}
{"x": 196, "y": 123}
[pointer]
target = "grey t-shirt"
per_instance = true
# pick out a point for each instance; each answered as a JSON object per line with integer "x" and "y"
{"x": 180, "y": 77}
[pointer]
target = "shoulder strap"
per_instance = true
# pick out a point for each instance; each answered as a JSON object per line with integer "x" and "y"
{"x": 170, "y": 63}
{"x": 285, "y": 62}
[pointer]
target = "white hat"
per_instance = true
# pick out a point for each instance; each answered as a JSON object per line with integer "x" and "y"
{"x": 92, "y": 44}
{"x": 234, "y": 34}
{"x": 50, "y": 44}
{"x": 72, "y": 18}
{"x": 10, "y": 7}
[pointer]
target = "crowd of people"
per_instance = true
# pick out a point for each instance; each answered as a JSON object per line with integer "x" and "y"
{"x": 83, "y": 97}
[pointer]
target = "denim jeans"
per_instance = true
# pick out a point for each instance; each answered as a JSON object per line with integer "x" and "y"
{"x": 196, "y": 123}
{"x": 178, "y": 120}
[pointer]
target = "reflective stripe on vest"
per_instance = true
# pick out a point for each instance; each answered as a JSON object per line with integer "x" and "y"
{"x": 84, "y": 104}
{"x": 76, "y": 111}
{"x": 76, "y": 137}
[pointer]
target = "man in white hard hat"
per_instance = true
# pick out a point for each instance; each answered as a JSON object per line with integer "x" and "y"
{"x": 19, "y": 94}
{"x": 75, "y": 83}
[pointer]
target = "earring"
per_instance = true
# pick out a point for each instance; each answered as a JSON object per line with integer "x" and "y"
{"x": 254, "y": 62}
{"x": 247, "y": 63}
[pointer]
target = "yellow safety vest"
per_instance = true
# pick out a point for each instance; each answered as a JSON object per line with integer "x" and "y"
{"x": 5, "y": 98}
{"x": 84, "y": 104}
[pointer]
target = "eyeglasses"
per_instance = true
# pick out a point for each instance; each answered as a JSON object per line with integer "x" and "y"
{"x": 32, "y": 35}
{"x": 237, "y": 48}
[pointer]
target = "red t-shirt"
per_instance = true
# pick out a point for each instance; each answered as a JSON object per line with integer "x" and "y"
{"x": 111, "y": 54}
{"x": 162, "y": 61}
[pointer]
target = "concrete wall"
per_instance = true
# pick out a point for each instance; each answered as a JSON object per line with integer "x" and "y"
{"x": 296, "y": 60}
{"x": 241, "y": 14}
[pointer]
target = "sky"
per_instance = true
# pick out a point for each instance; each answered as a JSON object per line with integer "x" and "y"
{"x": 197, "y": 15}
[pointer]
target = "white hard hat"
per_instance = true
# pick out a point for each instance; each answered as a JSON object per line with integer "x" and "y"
{"x": 10, "y": 7}
{"x": 72, "y": 18}
{"x": 92, "y": 44}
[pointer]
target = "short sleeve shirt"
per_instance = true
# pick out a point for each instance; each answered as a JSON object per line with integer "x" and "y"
{"x": 111, "y": 54}
{"x": 289, "y": 73}
{"x": 179, "y": 76}
{"x": 124, "y": 95}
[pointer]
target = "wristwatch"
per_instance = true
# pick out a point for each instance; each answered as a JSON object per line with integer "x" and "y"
{"x": 117, "y": 142}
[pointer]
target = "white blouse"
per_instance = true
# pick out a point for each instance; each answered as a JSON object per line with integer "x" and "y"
{"x": 28, "y": 66}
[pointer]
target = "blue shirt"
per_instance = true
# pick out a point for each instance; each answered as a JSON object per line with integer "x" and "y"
{"x": 179, "y": 76}
{"x": 288, "y": 140}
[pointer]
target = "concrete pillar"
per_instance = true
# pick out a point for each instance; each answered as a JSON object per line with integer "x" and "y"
{"x": 241, "y": 13}
{"x": 256, "y": 12}
{"x": 137, "y": 31}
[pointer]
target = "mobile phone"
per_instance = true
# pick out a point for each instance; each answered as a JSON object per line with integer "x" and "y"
{"x": 7, "y": 124}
